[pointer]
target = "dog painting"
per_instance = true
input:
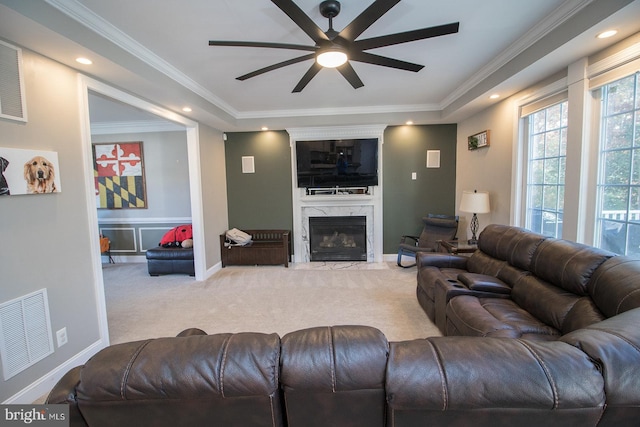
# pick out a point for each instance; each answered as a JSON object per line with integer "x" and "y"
{"x": 40, "y": 174}
{"x": 4, "y": 186}
{"x": 28, "y": 172}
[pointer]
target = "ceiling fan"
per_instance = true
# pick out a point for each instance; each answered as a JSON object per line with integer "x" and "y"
{"x": 336, "y": 49}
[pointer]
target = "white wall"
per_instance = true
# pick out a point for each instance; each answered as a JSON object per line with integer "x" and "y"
{"x": 496, "y": 168}
{"x": 489, "y": 168}
{"x": 214, "y": 193}
{"x": 45, "y": 239}
{"x": 166, "y": 167}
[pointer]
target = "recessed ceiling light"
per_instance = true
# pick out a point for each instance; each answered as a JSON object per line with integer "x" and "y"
{"x": 607, "y": 34}
{"x": 408, "y": 122}
{"x": 264, "y": 128}
{"x": 186, "y": 109}
{"x": 494, "y": 96}
{"x": 84, "y": 61}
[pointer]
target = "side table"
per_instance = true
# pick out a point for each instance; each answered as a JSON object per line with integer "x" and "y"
{"x": 455, "y": 247}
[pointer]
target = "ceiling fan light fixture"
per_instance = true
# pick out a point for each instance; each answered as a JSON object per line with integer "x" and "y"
{"x": 331, "y": 58}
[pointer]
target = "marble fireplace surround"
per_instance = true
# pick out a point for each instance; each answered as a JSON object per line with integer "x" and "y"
{"x": 367, "y": 205}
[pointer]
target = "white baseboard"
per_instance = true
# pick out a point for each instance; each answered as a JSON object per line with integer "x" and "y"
{"x": 124, "y": 258}
{"x": 389, "y": 257}
{"x": 44, "y": 385}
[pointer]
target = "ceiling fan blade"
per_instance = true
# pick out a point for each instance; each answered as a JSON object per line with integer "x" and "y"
{"x": 276, "y": 66}
{"x": 311, "y": 73}
{"x": 261, "y": 44}
{"x": 301, "y": 19}
{"x": 371, "y": 58}
{"x": 350, "y": 74}
{"x": 407, "y": 36}
{"x": 366, "y": 18}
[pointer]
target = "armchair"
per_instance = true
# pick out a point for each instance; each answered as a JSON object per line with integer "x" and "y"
{"x": 436, "y": 227}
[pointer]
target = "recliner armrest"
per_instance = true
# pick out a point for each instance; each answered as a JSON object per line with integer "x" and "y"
{"x": 64, "y": 392}
{"x": 441, "y": 260}
{"x": 484, "y": 283}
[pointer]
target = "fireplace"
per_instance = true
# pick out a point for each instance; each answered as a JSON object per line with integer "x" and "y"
{"x": 338, "y": 238}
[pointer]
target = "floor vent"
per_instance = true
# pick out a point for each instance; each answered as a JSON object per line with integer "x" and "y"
{"x": 25, "y": 332}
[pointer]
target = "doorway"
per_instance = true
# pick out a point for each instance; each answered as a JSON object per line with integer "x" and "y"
{"x": 91, "y": 86}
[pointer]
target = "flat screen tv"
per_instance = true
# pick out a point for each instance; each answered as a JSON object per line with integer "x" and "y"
{"x": 337, "y": 163}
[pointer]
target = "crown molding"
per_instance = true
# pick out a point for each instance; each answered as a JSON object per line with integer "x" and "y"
{"x": 102, "y": 27}
{"x": 556, "y": 18}
{"x": 312, "y": 112}
{"x": 337, "y": 132}
{"x": 143, "y": 126}
{"x": 80, "y": 13}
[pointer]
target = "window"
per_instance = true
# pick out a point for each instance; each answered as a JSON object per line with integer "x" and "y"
{"x": 618, "y": 207}
{"x": 547, "y": 142}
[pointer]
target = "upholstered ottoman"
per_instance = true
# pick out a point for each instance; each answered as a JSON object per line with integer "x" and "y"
{"x": 170, "y": 261}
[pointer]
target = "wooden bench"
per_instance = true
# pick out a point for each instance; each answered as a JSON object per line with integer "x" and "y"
{"x": 268, "y": 247}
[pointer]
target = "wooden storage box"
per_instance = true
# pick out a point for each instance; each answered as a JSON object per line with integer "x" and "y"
{"x": 268, "y": 247}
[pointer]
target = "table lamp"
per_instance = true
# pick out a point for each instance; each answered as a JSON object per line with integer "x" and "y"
{"x": 475, "y": 202}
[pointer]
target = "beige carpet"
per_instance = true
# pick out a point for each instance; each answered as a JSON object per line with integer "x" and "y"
{"x": 264, "y": 299}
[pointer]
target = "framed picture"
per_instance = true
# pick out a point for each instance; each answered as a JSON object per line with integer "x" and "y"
{"x": 28, "y": 172}
{"x": 119, "y": 175}
{"x": 479, "y": 140}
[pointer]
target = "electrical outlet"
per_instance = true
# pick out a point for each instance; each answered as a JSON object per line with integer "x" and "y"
{"x": 61, "y": 335}
{"x": 414, "y": 176}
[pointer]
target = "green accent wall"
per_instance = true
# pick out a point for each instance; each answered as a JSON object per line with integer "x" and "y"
{"x": 260, "y": 200}
{"x": 406, "y": 201}
{"x": 263, "y": 199}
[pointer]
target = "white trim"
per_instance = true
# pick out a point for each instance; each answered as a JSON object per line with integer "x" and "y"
{"x": 133, "y": 233}
{"x": 517, "y": 215}
{"x": 197, "y": 209}
{"x": 82, "y": 14}
{"x": 556, "y": 18}
{"x": 92, "y": 207}
{"x": 87, "y": 84}
{"x": 134, "y": 259}
{"x": 141, "y": 229}
{"x": 614, "y": 61}
{"x": 142, "y": 126}
{"x": 43, "y": 386}
{"x": 170, "y": 220}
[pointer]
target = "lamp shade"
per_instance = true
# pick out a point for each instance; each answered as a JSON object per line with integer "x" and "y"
{"x": 475, "y": 202}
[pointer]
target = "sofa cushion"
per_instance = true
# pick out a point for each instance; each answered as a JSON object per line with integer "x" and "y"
{"x": 583, "y": 313}
{"x": 482, "y": 263}
{"x": 334, "y": 376}
{"x": 232, "y": 378}
{"x": 614, "y": 287}
{"x": 615, "y": 344}
{"x": 495, "y": 317}
{"x": 567, "y": 264}
{"x": 458, "y": 381}
{"x": 544, "y": 301}
{"x": 512, "y": 244}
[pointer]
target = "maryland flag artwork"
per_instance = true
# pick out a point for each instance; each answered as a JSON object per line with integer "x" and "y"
{"x": 119, "y": 175}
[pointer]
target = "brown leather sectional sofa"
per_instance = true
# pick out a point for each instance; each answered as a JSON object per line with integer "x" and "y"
{"x": 580, "y": 369}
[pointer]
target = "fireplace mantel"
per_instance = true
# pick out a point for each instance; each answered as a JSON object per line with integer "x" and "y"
{"x": 368, "y": 205}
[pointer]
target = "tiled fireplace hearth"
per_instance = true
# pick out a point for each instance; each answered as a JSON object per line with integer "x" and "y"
{"x": 341, "y": 204}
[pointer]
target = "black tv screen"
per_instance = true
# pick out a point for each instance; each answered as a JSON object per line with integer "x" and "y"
{"x": 337, "y": 163}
